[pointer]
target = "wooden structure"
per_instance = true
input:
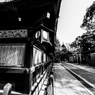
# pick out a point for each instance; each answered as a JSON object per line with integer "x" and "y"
{"x": 27, "y": 32}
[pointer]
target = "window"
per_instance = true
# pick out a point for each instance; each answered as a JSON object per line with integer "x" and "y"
{"x": 37, "y": 55}
{"x": 11, "y": 54}
{"x": 5, "y": 1}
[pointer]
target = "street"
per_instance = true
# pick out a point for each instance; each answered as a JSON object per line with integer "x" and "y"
{"x": 66, "y": 83}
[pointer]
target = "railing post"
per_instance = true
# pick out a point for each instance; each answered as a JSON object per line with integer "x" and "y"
{"x": 50, "y": 89}
{"x": 7, "y": 89}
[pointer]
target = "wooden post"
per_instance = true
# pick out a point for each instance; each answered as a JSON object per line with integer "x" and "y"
{"x": 7, "y": 89}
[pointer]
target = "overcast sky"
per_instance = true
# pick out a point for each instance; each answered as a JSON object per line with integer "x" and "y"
{"x": 71, "y": 17}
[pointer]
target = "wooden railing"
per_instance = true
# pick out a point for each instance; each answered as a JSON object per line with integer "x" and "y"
{"x": 41, "y": 77}
{"x": 42, "y": 81}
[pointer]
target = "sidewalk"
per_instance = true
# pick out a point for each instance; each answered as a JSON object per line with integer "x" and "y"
{"x": 66, "y": 84}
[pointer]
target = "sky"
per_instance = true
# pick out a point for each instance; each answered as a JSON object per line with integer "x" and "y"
{"x": 70, "y": 18}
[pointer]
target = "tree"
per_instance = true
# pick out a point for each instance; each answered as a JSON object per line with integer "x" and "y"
{"x": 57, "y": 45}
{"x": 57, "y": 50}
{"x": 89, "y": 18}
{"x": 63, "y": 47}
{"x": 76, "y": 44}
{"x": 83, "y": 43}
{"x": 64, "y": 53}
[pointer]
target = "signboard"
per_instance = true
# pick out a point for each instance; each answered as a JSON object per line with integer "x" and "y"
{"x": 22, "y": 33}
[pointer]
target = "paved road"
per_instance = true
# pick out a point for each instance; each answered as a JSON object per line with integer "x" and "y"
{"x": 67, "y": 84}
{"x": 84, "y": 67}
{"x": 86, "y": 74}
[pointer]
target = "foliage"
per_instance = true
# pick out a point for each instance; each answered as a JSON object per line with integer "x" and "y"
{"x": 89, "y": 18}
{"x": 88, "y": 38}
{"x": 83, "y": 43}
{"x": 76, "y": 43}
{"x": 57, "y": 45}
